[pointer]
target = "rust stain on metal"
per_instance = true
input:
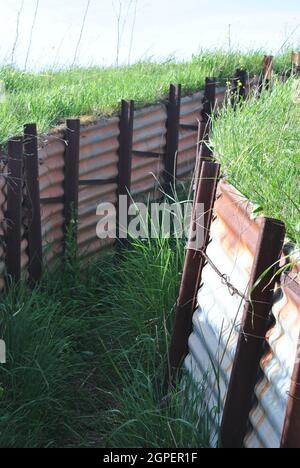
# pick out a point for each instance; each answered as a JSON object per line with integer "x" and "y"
{"x": 268, "y": 68}
{"x": 254, "y": 326}
{"x": 217, "y": 318}
{"x": 238, "y": 231}
{"x": 188, "y": 140}
{"x": 98, "y": 160}
{"x": 149, "y": 135}
{"x": 216, "y": 324}
{"x": 193, "y": 267}
{"x": 268, "y": 414}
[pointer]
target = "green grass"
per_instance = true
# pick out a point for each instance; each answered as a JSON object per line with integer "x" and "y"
{"x": 49, "y": 97}
{"x": 87, "y": 356}
{"x": 258, "y": 145}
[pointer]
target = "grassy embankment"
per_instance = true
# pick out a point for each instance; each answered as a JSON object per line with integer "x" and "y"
{"x": 48, "y": 98}
{"x": 258, "y": 146}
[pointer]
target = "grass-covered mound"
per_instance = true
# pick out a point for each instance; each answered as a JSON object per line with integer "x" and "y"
{"x": 53, "y": 95}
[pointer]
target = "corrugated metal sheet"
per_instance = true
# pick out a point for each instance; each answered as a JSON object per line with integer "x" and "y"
{"x": 213, "y": 342}
{"x": 149, "y": 134}
{"x": 216, "y": 325}
{"x": 188, "y": 140}
{"x": 216, "y": 321}
{"x": 98, "y": 160}
{"x": 190, "y": 115}
{"x": 268, "y": 415}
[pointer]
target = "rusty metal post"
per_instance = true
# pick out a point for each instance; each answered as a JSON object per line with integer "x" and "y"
{"x": 32, "y": 202}
{"x": 125, "y": 159}
{"x": 14, "y": 208}
{"x": 194, "y": 263}
{"x": 71, "y": 177}
{"x": 291, "y": 430}
{"x": 173, "y": 121}
{"x": 267, "y": 71}
{"x": 255, "y": 324}
{"x": 296, "y": 63}
{"x": 208, "y": 107}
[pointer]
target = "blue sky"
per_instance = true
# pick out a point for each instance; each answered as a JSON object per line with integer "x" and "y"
{"x": 162, "y": 28}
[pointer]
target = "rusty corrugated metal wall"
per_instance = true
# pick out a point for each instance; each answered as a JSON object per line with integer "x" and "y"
{"x": 149, "y": 134}
{"x": 190, "y": 114}
{"x": 272, "y": 390}
{"x": 99, "y": 146}
{"x": 216, "y": 325}
{"x": 217, "y": 320}
{"x": 98, "y": 160}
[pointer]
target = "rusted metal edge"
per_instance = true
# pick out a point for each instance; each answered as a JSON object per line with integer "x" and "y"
{"x": 125, "y": 147}
{"x": 296, "y": 62}
{"x": 267, "y": 68}
{"x": 172, "y": 137}
{"x": 208, "y": 107}
{"x": 255, "y": 325}
{"x": 291, "y": 430}
{"x": 191, "y": 278}
{"x": 236, "y": 212}
{"x": 204, "y": 151}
